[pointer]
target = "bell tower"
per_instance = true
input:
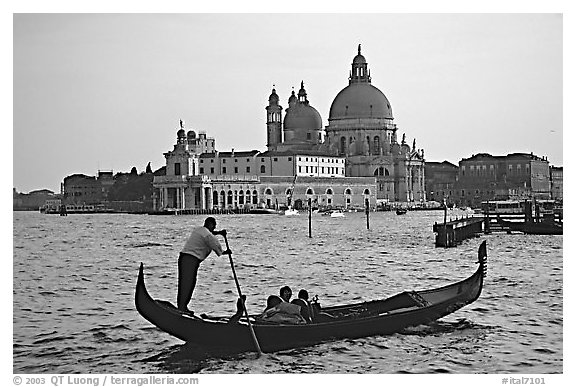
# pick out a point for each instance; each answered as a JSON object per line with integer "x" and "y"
{"x": 273, "y": 121}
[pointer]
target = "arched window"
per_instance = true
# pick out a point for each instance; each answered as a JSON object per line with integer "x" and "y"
{"x": 329, "y": 191}
{"x": 241, "y": 197}
{"x": 386, "y": 172}
{"x": 366, "y": 191}
{"x": 214, "y": 199}
{"x": 222, "y": 198}
{"x": 368, "y": 143}
{"x": 348, "y": 191}
{"x": 268, "y": 191}
{"x": 288, "y": 192}
{"x": 254, "y": 197}
{"x": 230, "y": 201}
{"x": 262, "y": 169}
{"x": 309, "y": 191}
{"x": 342, "y": 145}
{"x": 376, "y": 145}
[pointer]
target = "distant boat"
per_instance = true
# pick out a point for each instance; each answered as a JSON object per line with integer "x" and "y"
{"x": 337, "y": 214}
{"x": 291, "y": 212}
{"x": 401, "y": 211}
{"x": 264, "y": 211}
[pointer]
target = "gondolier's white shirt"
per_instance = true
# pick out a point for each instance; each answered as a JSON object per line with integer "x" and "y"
{"x": 201, "y": 243}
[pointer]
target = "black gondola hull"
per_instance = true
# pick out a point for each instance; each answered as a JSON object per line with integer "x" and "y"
{"x": 382, "y": 317}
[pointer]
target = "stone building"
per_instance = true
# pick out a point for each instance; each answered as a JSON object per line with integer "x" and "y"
{"x": 516, "y": 176}
{"x": 354, "y": 158}
{"x": 440, "y": 181}
{"x": 557, "y": 183}
{"x": 80, "y": 189}
{"x": 361, "y": 127}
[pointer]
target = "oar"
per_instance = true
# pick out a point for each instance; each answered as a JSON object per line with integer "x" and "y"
{"x": 241, "y": 298}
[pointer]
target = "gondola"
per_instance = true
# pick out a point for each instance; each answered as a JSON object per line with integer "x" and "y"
{"x": 401, "y": 211}
{"x": 380, "y": 317}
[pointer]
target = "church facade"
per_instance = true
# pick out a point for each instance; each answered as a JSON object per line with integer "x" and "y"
{"x": 355, "y": 158}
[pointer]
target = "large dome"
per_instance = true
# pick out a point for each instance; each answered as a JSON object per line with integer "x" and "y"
{"x": 360, "y": 100}
{"x": 302, "y": 116}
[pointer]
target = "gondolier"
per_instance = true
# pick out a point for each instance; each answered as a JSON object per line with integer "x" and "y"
{"x": 199, "y": 245}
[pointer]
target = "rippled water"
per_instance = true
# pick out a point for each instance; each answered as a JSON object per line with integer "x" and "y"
{"x": 74, "y": 279}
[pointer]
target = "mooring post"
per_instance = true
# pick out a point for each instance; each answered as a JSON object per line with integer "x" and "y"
{"x": 310, "y": 217}
{"x": 445, "y": 231}
{"x": 367, "y": 202}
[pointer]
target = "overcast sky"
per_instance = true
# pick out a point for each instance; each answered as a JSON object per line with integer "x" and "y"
{"x": 106, "y": 91}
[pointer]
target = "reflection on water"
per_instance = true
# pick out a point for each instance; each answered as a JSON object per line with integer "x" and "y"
{"x": 74, "y": 281}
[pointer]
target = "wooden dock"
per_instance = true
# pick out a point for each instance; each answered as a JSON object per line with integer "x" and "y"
{"x": 453, "y": 232}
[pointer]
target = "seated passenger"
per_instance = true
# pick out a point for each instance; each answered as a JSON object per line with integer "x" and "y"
{"x": 285, "y": 293}
{"x": 305, "y": 307}
{"x": 280, "y": 311}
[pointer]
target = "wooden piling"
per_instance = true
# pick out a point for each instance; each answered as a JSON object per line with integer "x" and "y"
{"x": 367, "y": 203}
{"x": 310, "y": 217}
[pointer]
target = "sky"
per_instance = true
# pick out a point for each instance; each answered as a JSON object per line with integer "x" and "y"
{"x": 105, "y": 91}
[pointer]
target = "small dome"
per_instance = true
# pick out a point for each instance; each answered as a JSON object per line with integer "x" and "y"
{"x": 302, "y": 116}
{"x": 181, "y": 133}
{"x": 191, "y": 134}
{"x": 359, "y": 59}
{"x": 273, "y": 97}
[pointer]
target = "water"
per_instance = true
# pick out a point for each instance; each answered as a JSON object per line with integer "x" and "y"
{"x": 74, "y": 279}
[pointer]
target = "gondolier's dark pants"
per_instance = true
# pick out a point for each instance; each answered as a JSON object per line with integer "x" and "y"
{"x": 187, "y": 272}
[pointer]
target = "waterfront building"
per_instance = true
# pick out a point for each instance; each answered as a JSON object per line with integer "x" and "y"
{"x": 440, "y": 181}
{"x": 354, "y": 158}
{"x": 32, "y": 200}
{"x": 556, "y": 183}
{"x": 516, "y": 176}
{"x": 81, "y": 189}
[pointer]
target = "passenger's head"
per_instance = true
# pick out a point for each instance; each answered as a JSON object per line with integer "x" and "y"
{"x": 272, "y": 301}
{"x": 210, "y": 223}
{"x": 285, "y": 293}
{"x": 303, "y": 294}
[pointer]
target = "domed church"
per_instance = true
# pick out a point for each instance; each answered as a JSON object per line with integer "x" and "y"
{"x": 354, "y": 160}
{"x": 360, "y": 128}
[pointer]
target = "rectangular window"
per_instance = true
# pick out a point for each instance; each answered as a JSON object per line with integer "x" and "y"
{"x": 223, "y": 170}
{"x": 235, "y": 169}
{"x": 212, "y": 170}
{"x": 201, "y": 170}
{"x": 289, "y": 158}
{"x": 201, "y": 161}
{"x": 247, "y": 169}
{"x": 300, "y": 168}
{"x": 275, "y": 158}
{"x": 262, "y": 159}
{"x": 223, "y": 161}
{"x": 177, "y": 168}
